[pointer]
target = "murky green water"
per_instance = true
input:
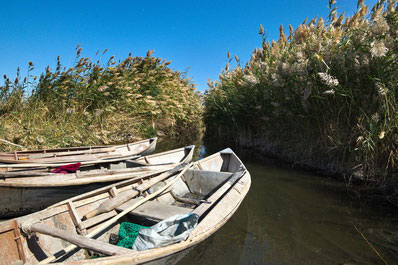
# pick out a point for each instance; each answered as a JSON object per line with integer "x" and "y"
{"x": 295, "y": 217}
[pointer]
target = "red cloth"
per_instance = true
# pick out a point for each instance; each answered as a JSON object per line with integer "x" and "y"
{"x": 71, "y": 168}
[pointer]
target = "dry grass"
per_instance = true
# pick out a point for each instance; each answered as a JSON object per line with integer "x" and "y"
{"x": 93, "y": 103}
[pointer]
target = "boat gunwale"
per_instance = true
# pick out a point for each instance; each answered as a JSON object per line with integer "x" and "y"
{"x": 30, "y": 163}
{"x": 39, "y": 151}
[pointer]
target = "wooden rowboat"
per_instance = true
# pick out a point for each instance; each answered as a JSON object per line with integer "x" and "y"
{"x": 219, "y": 183}
{"x": 23, "y": 192}
{"x": 80, "y": 154}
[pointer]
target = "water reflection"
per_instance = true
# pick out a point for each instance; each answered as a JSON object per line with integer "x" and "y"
{"x": 294, "y": 217}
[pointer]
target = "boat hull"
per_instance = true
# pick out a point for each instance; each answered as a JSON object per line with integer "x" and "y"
{"x": 20, "y": 196}
{"x": 223, "y": 202}
{"x": 80, "y": 154}
{"x": 17, "y": 201}
{"x": 173, "y": 253}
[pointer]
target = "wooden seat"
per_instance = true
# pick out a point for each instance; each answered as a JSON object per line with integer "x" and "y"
{"x": 154, "y": 210}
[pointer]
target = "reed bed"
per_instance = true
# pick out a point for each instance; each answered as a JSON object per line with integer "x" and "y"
{"x": 98, "y": 103}
{"x": 326, "y": 91}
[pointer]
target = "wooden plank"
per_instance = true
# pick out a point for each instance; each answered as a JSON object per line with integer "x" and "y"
{"x": 203, "y": 182}
{"x": 99, "y": 161}
{"x": 18, "y": 239}
{"x": 224, "y": 208}
{"x": 201, "y": 209}
{"x": 187, "y": 200}
{"x": 30, "y": 173}
{"x": 96, "y": 220}
{"x": 113, "y": 191}
{"x": 9, "y": 246}
{"x": 122, "y": 198}
{"x": 80, "y": 153}
{"x": 73, "y": 214}
{"x": 69, "y": 180}
{"x": 199, "y": 165}
{"x": 78, "y": 240}
{"x": 69, "y": 153}
{"x": 154, "y": 210}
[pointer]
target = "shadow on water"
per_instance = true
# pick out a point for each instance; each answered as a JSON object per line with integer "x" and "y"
{"x": 296, "y": 217}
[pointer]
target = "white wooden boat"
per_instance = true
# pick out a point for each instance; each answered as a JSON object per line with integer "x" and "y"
{"x": 23, "y": 192}
{"x": 79, "y": 154}
{"x": 220, "y": 181}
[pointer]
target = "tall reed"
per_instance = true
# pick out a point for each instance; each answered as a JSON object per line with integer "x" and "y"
{"x": 325, "y": 91}
{"x": 95, "y": 102}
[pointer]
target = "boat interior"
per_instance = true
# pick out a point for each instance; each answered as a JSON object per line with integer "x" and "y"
{"x": 193, "y": 192}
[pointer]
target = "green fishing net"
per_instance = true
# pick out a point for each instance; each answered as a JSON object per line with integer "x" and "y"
{"x": 128, "y": 233}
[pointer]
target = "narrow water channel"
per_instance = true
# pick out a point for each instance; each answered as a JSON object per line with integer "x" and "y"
{"x": 295, "y": 217}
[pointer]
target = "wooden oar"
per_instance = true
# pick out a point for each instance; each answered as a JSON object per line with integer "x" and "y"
{"x": 83, "y": 174}
{"x": 26, "y": 174}
{"x": 7, "y": 142}
{"x": 78, "y": 240}
{"x": 70, "y": 153}
{"x": 100, "y": 161}
{"x": 111, "y": 204}
{"x": 111, "y": 221}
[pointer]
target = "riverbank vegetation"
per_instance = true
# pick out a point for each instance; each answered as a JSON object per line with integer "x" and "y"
{"x": 98, "y": 103}
{"x": 324, "y": 94}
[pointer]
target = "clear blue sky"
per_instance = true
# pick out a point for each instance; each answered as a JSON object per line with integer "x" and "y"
{"x": 192, "y": 34}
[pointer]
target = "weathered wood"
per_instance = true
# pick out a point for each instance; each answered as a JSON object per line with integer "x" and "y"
{"x": 201, "y": 209}
{"x": 78, "y": 240}
{"x": 58, "y": 216}
{"x": 16, "y": 201}
{"x": 110, "y": 172}
{"x": 166, "y": 158}
{"x": 70, "y": 153}
{"x": 107, "y": 175}
{"x": 30, "y": 173}
{"x": 224, "y": 208}
{"x": 186, "y": 200}
{"x": 10, "y": 143}
{"x": 103, "y": 226}
{"x": 113, "y": 191}
{"x": 64, "y": 180}
{"x": 73, "y": 214}
{"x": 90, "y": 176}
{"x": 96, "y": 220}
{"x": 203, "y": 181}
{"x": 18, "y": 239}
{"x": 45, "y": 165}
{"x": 41, "y": 157}
{"x": 111, "y": 204}
{"x": 154, "y": 210}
